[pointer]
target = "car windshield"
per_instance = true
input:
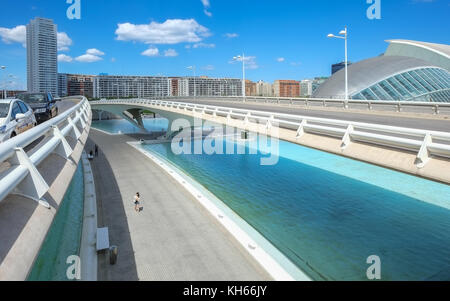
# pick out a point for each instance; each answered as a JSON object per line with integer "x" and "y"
{"x": 33, "y": 98}
{"x": 4, "y": 110}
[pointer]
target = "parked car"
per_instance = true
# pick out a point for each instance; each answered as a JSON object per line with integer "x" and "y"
{"x": 43, "y": 105}
{"x": 16, "y": 117}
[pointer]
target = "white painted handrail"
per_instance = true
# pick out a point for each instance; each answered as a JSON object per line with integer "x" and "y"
{"x": 371, "y": 105}
{"x": 22, "y": 176}
{"x": 422, "y": 142}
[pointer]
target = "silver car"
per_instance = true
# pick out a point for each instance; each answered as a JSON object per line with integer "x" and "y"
{"x": 16, "y": 117}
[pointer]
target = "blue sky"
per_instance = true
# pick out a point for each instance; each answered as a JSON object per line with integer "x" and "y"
{"x": 284, "y": 39}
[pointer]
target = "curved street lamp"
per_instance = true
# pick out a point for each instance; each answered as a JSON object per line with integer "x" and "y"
{"x": 343, "y": 34}
{"x": 242, "y": 58}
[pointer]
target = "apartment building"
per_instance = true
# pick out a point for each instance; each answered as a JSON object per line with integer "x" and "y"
{"x": 42, "y": 62}
{"x": 264, "y": 89}
{"x": 250, "y": 88}
{"x": 286, "y": 88}
{"x": 205, "y": 86}
{"x": 111, "y": 86}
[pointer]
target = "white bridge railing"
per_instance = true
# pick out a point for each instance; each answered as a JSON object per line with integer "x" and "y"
{"x": 435, "y": 108}
{"x": 20, "y": 175}
{"x": 422, "y": 142}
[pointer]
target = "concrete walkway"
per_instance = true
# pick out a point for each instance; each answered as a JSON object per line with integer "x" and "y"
{"x": 174, "y": 238}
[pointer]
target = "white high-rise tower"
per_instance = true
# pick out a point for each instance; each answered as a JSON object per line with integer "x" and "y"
{"x": 42, "y": 57}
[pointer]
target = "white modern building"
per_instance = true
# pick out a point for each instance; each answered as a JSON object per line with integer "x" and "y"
{"x": 205, "y": 86}
{"x": 306, "y": 88}
{"x": 264, "y": 89}
{"x": 110, "y": 86}
{"x": 42, "y": 62}
{"x": 407, "y": 71}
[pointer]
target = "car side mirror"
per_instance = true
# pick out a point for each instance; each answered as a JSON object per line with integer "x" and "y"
{"x": 20, "y": 117}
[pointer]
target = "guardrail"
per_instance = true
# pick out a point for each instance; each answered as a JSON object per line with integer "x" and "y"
{"x": 435, "y": 108}
{"x": 424, "y": 143}
{"x": 22, "y": 177}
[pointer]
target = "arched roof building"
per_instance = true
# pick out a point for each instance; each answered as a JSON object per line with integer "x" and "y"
{"x": 408, "y": 71}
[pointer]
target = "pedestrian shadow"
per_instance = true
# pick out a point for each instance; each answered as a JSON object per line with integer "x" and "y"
{"x": 111, "y": 214}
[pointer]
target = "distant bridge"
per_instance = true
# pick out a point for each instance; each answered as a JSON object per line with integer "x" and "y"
{"x": 416, "y": 151}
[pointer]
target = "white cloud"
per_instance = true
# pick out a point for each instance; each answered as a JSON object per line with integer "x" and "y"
{"x": 17, "y": 34}
{"x": 231, "y": 35}
{"x": 281, "y": 59}
{"x": 88, "y": 58}
{"x": 208, "y": 68}
{"x": 170, "y": 53}
{"x": 152, "y": 51}
{"x": 95, "y": 51}
{"x": 64, "y": 58}
{"x": 203, "y": 45}
{"x": 206, "y": 5}
{"x": 92, "y": 55}
{"x": 63, "y": 41}
{"x": 172, "y": 31}
{"x": 250, "y": 62}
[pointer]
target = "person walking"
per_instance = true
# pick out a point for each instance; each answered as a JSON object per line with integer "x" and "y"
{"x": 137, "y": 202}
{"x": 96, "y": 150}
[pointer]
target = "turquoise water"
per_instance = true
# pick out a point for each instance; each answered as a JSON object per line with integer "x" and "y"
{"x": 125, "y": 127}
{"x": 64, "y": 237}
{"x": 328, "y": 214}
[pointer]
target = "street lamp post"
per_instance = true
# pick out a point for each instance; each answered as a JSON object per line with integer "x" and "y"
{"x": 195, "y": 82}
{"x": 4, "y": 87}
{"x": 343, "y": 34}
{"x": 242, "y": 58}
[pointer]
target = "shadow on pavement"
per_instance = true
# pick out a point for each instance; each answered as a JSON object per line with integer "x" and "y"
{"x": 111, "y": 214}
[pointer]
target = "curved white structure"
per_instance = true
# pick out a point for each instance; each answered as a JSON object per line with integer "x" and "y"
{"x": 408, "y": 71}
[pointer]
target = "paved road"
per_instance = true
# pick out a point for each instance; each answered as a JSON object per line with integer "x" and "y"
{"x": 64, "y": 105}
{"x": 409, "y": 122}
{"x": 174, "y": 238}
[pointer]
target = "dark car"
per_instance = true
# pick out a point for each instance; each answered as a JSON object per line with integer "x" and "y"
{"x": 43, "y": 105}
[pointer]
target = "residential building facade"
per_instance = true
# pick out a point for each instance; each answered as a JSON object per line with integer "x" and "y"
{"x": 250, "y": 88}
{"x": 306, "y": 88}
{"x": 264, "y": 89}
{"x": 110, "y": 86}
{"x": 205, "y": 86}
{"x": 42, "y": 62}
{"x": 286, "y": 88}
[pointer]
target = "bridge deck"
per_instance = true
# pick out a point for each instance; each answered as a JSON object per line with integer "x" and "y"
{"x": 174, "y": 238}
{"x": 408, "y": 120}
